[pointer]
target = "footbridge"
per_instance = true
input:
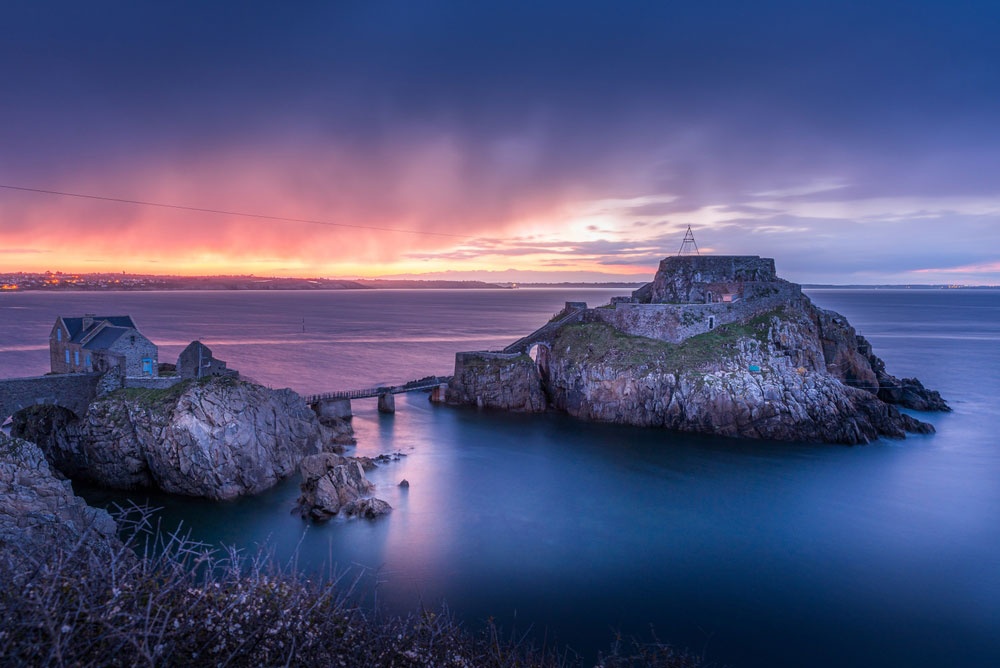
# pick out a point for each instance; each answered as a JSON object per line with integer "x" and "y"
{"x": 72, "y": 391}
{"x": 384, "y": 393}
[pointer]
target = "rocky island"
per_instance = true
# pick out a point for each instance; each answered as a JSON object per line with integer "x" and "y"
{"x": 714, "y": 344}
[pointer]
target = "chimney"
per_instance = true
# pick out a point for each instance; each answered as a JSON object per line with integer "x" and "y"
{"x": 88, "y": 321}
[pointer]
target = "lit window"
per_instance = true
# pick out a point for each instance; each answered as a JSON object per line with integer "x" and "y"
{"x": 88, "y": 361}
{"x": 67, "y": 356}
{"x": 76, "y": 357}
{"x": 59, "y": 334}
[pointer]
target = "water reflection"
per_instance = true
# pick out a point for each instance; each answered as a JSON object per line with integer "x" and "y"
{"x": 764, "y": 553}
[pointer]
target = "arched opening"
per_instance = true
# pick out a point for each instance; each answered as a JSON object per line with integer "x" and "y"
{"x": 20, "y": 411}
{"x": 46, "y": 425}
{"x": 539, "y": 352}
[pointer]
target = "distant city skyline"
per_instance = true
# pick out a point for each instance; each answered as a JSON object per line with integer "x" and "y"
{"x": 544, "y": 141}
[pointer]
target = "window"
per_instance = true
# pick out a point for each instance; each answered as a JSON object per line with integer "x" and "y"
{"x": 711, "y": 322}
{"x": 58, "y": 333}
{"x": 76, "y": 357}
{"x": 67, "y": 356}
{"x": 88, "y": 360}
{"x": 133, "y": 339}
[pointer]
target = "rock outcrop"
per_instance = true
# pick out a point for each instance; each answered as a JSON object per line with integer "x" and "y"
{"x": 753, "y": 358}
{"x": 332, "y": 484}
{"x": 219, "y": 439}
{"x": 497, "y": 380}
{"x": 39, "y": 510}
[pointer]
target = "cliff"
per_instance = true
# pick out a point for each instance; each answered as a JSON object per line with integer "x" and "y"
{"x": 497, "y": 380}
{"x": 39, "y": 511}
{"x": 755, "y": 358}
{"x": 219, "y": 439}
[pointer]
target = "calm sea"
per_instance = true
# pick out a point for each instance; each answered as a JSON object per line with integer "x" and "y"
{"x": 753, "y": 553}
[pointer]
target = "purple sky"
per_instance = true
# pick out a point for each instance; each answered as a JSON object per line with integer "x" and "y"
{"x": 852, "y": 142}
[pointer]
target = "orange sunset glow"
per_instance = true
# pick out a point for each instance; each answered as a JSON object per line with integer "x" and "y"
{"x": 492, "y": 152}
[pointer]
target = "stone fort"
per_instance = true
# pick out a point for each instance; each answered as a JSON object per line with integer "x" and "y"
{"x": 689, "y": 295}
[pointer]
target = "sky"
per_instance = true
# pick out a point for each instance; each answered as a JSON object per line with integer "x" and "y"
{"x": 854, "y": 142}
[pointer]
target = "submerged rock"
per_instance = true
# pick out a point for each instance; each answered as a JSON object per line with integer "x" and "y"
{"x": 218, "y": 439}
{"x": 368, "y": 508}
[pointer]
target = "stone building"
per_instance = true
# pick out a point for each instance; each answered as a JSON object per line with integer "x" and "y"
{"x": 100, "y": 343}
{"x": 196, "y": 361}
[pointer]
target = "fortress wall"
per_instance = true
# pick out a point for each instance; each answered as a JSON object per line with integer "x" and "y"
{"x": 686, "y": 278}
{"x": 676, "y": 322}
{"x": 473, "y": 356}
{"x": 719, "y": 268}
{"x": 147, "y": 383}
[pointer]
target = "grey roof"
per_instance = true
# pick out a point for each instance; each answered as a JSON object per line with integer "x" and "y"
{"x": 75, "y": 325}
{"x": 106, "y": 338}
{"x": 195, "y": 345}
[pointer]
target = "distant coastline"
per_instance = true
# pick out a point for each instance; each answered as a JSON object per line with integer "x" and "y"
{"x": 898, "y": 286}
{"x": 58, "y": 281}
{"x": 64, "y": 281}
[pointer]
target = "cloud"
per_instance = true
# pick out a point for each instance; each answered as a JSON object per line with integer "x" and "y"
{"x": 595, "y": 141}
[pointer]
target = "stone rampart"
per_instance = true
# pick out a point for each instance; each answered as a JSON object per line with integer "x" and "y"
{"x": 677, "y": 322}
{"x": 73, "y": 391}
{"x": 573, "y": 312}
{"x": 691, "y": 278}
{"x": 462, "y": 358}
{"x": 147, "y": 383}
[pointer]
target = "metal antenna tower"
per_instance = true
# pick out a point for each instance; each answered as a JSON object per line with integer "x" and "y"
{"x": 688, "y": 243}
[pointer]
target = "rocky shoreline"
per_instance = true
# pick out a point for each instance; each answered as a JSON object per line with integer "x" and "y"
{"x": 218, "y": 438}
{"x": 38, "y": 509}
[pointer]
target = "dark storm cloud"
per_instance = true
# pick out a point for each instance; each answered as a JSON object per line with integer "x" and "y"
{"x": 723, "y": 104}
{"x": 751, "y": 79}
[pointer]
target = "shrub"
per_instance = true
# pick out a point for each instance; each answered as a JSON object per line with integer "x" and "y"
{"x": 161, "y": 599}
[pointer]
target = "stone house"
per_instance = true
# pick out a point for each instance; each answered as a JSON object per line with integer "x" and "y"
{"x": 100, "y": 343}
{"x": 196, "y": 361}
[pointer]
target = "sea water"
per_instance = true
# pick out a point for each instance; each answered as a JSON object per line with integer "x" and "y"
{"x": 752, "y": 553}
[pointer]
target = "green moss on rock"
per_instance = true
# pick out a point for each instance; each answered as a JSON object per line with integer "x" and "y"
{"x": 601, "y": 342}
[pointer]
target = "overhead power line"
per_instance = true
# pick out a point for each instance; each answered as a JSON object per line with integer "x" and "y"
{"x": 225, "y": 212}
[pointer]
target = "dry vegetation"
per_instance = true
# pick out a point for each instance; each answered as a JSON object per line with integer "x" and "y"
{"x": 164, "y": 600}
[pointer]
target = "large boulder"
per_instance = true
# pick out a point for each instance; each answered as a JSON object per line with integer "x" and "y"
{"x": 218, "y": 439}
{"x": 332, "y": 484}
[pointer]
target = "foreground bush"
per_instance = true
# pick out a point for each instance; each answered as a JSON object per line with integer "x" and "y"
{"x": 179, "y": 603}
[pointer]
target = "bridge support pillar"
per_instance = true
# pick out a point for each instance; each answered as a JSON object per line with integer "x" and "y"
{"x": 333, "y": 408}
{"x": 386, "y": 403}
{"x": 439, "y": 394}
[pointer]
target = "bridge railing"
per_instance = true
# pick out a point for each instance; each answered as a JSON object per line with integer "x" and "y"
{"x": 367, "y": 393}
